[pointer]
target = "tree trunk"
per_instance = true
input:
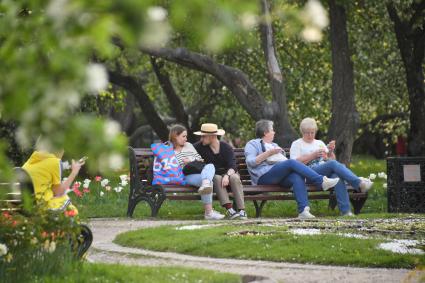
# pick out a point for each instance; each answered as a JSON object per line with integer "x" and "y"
{"x": 279, "y": 110}
{"x": 411, "y": 41}
{"x": 345, "y": 118}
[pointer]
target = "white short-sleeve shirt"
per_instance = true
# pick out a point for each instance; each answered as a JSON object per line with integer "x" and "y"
{"x": 300, "y": 147}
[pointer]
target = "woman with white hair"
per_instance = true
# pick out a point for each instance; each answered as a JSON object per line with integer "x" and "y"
{"x": 268, "y": 166}
{"x": 321, "y": 158}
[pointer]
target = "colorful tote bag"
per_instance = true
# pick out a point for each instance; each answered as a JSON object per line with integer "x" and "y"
{"x": 166, "y": 168}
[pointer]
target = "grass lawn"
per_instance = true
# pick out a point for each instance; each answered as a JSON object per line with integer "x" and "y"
{"x": 274, "y": 243}
{"x": 90, "y": 272}
{"x": 113, "y": 204}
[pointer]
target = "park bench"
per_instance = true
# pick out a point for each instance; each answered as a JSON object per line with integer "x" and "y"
{"x": 141, "y": 188}
{"x": 11, "y": 200}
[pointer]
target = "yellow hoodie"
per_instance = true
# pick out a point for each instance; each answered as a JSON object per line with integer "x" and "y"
{"x": 45, "y": 171}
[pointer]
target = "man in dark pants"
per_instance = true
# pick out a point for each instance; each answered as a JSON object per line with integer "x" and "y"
{"x": 222, "y": 156}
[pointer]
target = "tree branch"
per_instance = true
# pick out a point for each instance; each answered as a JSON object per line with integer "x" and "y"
{"x": 237, "y": 81}
{"x": 166, "y": 85}
{"x": 275, "y": 74}
{"x": 135, "y": 87}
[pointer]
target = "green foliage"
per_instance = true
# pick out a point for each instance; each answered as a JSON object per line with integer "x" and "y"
{"x": 38, "y": 244}
{"x": 270, "y": 243}
{"x": 46, "y": 49}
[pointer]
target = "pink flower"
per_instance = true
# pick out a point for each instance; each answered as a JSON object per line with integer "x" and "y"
{"x": 76, "y": 185}
{"x": 98, "y": 178}
{"x": 86, "y": 190}
{"x": 77, "y": 192}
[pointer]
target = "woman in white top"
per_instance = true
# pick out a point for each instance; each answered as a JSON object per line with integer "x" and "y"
{"x": 185, "y": 153}
{"x": 321, "y": 158}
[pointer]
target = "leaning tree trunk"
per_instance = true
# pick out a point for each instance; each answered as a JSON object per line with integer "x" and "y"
{"x": 345, "y": 118}
{"x": 410, "y": 34}
{"x": 278, "y": 111}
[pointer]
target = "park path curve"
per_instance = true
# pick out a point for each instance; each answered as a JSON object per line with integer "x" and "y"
{"x": 104, "y": 250}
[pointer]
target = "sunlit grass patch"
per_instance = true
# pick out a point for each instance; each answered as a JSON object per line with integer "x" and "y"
{"x": 319, "y": 242}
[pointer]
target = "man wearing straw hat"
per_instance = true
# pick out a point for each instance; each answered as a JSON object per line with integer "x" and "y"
{"x": 221, "y": 155}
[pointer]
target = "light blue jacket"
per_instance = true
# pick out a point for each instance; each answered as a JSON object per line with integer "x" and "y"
{"x": 252, "y": 149}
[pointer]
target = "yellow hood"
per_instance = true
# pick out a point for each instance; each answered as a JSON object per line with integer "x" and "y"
{"x": 38, "y": 156}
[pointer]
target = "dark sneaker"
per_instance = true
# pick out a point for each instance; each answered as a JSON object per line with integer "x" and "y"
{"x": 243, "y": 215}
{"x": 232, "y": 214}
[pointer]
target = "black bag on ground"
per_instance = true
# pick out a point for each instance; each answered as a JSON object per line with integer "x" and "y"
{"x": 194, "y": 167}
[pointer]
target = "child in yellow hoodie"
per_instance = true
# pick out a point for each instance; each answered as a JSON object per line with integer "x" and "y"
{"x": 45, "y": 170}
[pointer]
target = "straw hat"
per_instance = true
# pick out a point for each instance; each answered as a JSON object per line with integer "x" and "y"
{"x": 209, "y": 129}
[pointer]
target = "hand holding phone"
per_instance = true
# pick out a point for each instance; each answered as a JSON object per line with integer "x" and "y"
{"x": 83, "y": 159}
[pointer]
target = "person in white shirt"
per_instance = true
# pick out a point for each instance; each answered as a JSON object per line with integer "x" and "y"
{"x": 267, "y": 165}
{"x": 321, "y": 158}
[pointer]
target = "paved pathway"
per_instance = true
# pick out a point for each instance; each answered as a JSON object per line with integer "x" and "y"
{"x": 104, "y": 250}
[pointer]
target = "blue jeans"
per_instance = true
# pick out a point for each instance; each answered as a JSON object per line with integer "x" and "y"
{"x": 333, "y": 168}
{"x": 291, "y": 173}
{"x": 196, "y": 180}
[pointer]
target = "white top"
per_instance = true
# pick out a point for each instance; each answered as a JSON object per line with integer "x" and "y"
{"x": 277, "y": 157}
{"x": 300, "y": 147}
{"x": 188, "y": 151}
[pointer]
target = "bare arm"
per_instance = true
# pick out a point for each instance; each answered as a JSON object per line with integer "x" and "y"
{"x": 306, "y": 158}
{"x": 263, "y": 156}
{"x": 60, "y": 189}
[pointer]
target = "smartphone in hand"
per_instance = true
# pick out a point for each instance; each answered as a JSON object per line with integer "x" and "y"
{"x": 83, "y": 159}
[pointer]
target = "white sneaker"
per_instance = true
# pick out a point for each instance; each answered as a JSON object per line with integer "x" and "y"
{"x": 306, "y": 214}
{"x": 329, "y": 183}
{"x": 347, "y": 214}
{"x": 214, "y": 215}
{"x": 205, "y": 189}
{"x": 365, "y": 184}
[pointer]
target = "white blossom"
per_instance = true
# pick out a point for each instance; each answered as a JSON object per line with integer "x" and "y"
{"x": 316, "y": 14}
{"x": 384, "y": 185}
{"x": 66, "y": 165}
{"x": 112, "y": 128}
{"x": 312, "y": 34}
{"x": 248, "y": 20}
{"x": 115, "y": 161}
{"x": 157, "y": 13}
{"x": 382, "y": 175}
{"x": 101, "y": 193}
{"x": 86, "y": 181}
{"x": 57, "y": 10}
{"x": 3, "y": 249}
{"x": 52, "y": 247}
{"x": 124, "y": 178}
{"x": 372, "y": 176}
{"x": 118, "y": 189}
{"x": 104, "y": 182}
{"x": 86, "y": 185}
{"x": 97, "y": 78}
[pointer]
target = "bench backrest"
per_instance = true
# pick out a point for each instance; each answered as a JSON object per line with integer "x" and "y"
{"x": 12, "y": 192}
{"x": 141, "y": 163}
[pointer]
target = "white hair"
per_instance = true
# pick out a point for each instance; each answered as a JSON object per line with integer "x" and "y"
{"x": 308, "y": 124}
